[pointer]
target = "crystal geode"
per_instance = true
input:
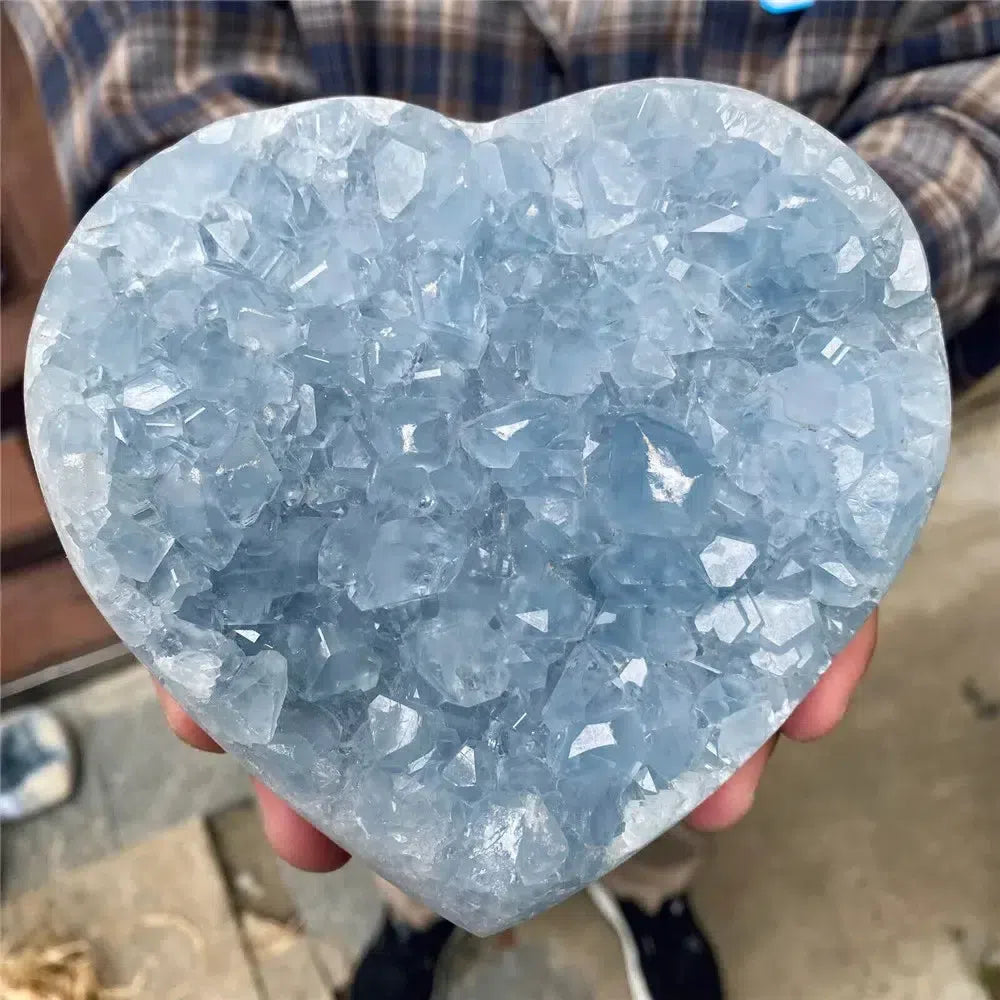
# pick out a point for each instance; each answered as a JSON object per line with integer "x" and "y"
{"x": 493, "y": 491}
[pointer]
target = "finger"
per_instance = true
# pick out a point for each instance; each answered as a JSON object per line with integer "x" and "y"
{"x": 295, "y": 839}
{"x": 823, "y": 708}
{"x": 732, "y": 801}
{"x": 182, "y": 724}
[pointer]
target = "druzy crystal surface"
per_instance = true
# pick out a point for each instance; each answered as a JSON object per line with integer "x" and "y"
{"x": 492, "y": 490}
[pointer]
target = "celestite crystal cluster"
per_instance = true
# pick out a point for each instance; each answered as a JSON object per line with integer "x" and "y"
{"x": 492, "y": 490}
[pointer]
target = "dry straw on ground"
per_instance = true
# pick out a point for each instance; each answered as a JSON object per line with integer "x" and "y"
{"x": 56, "y": 972}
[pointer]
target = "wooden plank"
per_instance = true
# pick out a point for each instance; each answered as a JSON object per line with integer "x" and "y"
{"x": 36, "y": 216}
{"x": 16, "y": 314}
{"x": 45, "y": 617}
{"x": 35, "y": 209}
{"x": 23, "y": 517}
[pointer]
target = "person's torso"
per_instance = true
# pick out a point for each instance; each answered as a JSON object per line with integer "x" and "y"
{"x": 481, "y": 59}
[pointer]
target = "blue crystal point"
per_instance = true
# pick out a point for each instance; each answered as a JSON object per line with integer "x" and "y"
{"x": 493, "y": 491}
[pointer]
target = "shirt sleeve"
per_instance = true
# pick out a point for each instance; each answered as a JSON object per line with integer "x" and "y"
{"x": 928, "y": 120}
{"x": 121, "y": 79}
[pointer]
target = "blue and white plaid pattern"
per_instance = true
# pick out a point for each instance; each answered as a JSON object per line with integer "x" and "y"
{"x": 914, "y": 87}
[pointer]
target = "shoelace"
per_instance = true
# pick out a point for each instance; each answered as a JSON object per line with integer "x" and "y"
{"x": 608, "y": 908}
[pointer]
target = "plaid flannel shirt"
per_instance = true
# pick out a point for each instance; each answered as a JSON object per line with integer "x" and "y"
{"x": 914, "y": 87}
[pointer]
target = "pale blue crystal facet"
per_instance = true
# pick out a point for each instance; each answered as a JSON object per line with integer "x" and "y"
{"x": 493, "y": 491}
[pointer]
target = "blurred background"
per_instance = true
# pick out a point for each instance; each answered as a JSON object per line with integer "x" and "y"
{"x": 54, "y": 619}
{"x": 869, "y": 868}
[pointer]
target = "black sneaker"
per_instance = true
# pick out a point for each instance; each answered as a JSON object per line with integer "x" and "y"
{"x": 667, "y": 956}
{"x": 399, "y": 963}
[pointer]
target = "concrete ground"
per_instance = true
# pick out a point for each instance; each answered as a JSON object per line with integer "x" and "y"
{"x": 869, "y": 868}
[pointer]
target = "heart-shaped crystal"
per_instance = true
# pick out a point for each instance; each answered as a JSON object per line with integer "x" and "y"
{"x": 493, "y": 491}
